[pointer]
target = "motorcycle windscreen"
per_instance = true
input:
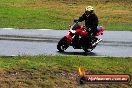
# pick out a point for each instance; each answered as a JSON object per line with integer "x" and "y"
{"x": 76, "y": 26}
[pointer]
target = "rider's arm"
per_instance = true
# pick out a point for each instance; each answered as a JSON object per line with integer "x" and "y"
{"x": 82, "y": 18}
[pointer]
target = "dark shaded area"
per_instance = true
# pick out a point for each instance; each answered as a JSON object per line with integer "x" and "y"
{"x": 78, "y": 53}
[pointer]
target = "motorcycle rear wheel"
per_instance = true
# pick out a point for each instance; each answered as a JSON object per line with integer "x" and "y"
{"x": 87, "y": 50}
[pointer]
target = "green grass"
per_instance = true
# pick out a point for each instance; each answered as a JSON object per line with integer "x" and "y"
{"x": 58, "y": 14}
{"x": 29, "y": 18}
{"x": 59, "y": 71}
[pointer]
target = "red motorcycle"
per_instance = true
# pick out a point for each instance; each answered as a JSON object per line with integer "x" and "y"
{"x": 79, "y": 38}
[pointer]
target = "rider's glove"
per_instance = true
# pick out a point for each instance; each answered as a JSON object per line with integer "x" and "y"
{"x": 75, "y": 21}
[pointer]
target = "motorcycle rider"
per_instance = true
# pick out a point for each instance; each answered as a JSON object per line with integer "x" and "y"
{"x": 91, "y": 20}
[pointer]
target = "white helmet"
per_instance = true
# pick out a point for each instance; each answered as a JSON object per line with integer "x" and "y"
{"x": 89, "y": 10}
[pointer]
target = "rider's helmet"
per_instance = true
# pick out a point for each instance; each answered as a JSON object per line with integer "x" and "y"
{"x": 89, "y": 10}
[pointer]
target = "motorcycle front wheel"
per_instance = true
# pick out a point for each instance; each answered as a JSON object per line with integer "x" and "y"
{"x": 62, "y": 44}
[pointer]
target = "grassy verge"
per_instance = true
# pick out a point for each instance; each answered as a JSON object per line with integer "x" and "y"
{"x": 59, "y": 71}
{"x": 58, "y": 14}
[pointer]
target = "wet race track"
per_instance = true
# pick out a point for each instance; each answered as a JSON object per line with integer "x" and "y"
{"x": 15, "y": 42}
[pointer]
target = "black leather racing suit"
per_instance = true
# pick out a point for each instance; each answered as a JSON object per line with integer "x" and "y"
{"x": 91, "y": 21}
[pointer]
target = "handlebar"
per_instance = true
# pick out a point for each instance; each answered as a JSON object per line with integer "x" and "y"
{"x": 76, "y": 21}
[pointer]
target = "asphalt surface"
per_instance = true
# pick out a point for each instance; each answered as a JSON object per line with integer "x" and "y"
{"x": 15, "y": 42}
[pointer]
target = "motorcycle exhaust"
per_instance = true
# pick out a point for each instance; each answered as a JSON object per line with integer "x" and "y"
{"x": 99, "y": 40}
